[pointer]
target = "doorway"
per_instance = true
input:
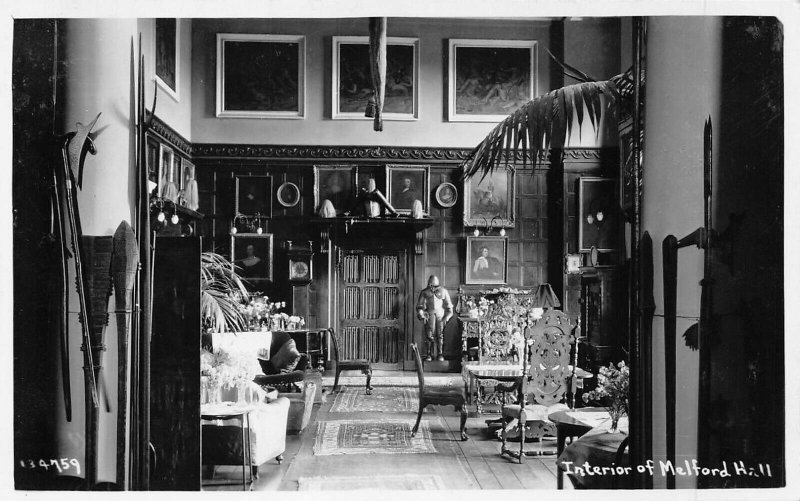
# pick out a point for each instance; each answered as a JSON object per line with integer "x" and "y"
{"x": 372, "y": 310}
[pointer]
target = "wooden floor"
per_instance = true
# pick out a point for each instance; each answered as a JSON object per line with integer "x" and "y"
{"x": 472, "y": 464}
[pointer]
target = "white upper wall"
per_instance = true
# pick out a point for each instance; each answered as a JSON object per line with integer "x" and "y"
{"x": 317, "y": 128}
{"x": 175, "y": 112}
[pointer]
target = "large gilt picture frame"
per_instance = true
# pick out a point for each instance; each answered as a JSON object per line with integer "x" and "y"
{"x": 489, "y": 200}
{"x": 351, "y": 82}
{"x": 167, "y": 36}
{"x": 260, "y": 76}
{"x": 489, "y": 79}
{"x": 337, "y": 184}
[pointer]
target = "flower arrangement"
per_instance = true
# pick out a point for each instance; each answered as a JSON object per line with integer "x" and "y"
{"x": 226, "y": 369}
{"x": 612, "y": 391}
{"x": 260, "y": 312}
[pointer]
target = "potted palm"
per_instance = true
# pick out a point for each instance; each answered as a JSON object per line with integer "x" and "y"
{"x": 222, "y": 293}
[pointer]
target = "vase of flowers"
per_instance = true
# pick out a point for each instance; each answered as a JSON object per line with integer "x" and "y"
{"x": 612, "y": 391}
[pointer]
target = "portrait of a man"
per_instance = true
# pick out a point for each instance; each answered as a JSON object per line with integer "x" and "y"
{"x": 486, "y": 260}
{"x": 406, "y": 184}
{"x": 254, "y": 195}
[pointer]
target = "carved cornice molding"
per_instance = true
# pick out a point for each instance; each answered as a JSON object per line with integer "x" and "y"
{"x": 159, "y": 128}
{"x": 369, "y": 153}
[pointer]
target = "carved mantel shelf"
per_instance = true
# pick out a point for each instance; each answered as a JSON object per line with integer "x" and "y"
{"x": 384, "y": 227}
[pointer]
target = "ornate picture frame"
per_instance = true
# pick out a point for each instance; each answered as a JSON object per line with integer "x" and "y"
{"x": 251, "y": 256}
{"x": 446, "y": 195}
{"x": 406, "y": 183}
{"x": 168, "y": 173}
{"x": 351, "y": 83}
{"x": 253, "y": 196}
{"x": 489, "y": 201}
{"x": 598, "y": 216}
{"x": 260, "y": 76}
{"x": 167, "y": 36}
{"x": 487, "y": 260}
{"x": 288, "y": 194}
{"x": 336, "y": 183}
{"x": 490, "y": 79}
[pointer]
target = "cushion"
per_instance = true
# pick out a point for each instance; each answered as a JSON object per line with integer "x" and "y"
{"x": 286, "y": 359}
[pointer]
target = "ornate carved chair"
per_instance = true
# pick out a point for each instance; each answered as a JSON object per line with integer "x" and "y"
{"x": 438, "y": 396}
{"x": 353, "y": 364}
{"x": 545, "y": 380}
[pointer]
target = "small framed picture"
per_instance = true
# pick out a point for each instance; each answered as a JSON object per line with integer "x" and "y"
{"x": 573, "y": 263}
{"x": 254, "y": 196}
{"x": 167, "y": 44}
{"x": 335, "y": 183}
{"x": 407, "y": 183}
{"x": 490, "y": 79}
{"x": 260, "y": 76}
{"x": 446, "y": 195}
{"x": 187, "y": 174}
{"x": 352, "y": 80}
{"x": 489, "y": 200}
{"x": 288, "y": 194}
{"x": 168, "y": 174}
{"x": 487, "y": 260}
{"x": 598, "y": 223}
{"x": 251, "y": 255}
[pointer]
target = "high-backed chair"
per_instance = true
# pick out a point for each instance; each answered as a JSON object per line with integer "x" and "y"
{"x": 350, "y": 364}
{"x": 543, "y": 385}
{"x": 443, "y": 395}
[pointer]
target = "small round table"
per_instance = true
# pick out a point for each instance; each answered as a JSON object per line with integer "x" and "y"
{"x": 231, "y": 410}
{"x": 569, "y": 426}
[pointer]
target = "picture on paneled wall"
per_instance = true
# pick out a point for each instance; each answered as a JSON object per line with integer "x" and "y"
{"x": 489, "y": 200}
{"x": 598, "y": 223}
{"x": 406, "y": 184}
{"x": 167, "y": 49}
{"x": 336, "y": 184}
{"x": 447, "y": 195}
{"x": 260, "y": 76}
{"x": 251, "y": 255}
{"x": 288, "y": 194}
{"x": 352, "y": 80}
{"x": 254, "y": 196}
{"x": 168, "y": 174}
{"x": 490, "y": 79}
{"x": 487, "y": 260}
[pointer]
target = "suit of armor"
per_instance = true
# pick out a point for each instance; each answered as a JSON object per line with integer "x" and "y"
{"x": 435, "y": 308}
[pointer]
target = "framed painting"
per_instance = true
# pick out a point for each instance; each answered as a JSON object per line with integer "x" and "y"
{"x": 288, "y": 194}
{"x": 188, "y": 174}
{"x": 487, "y": 260}
{"x": 260, "y": 76}
{"x": 598, "y": 221}
{"x": 251, "y": 255}
{"x": 489, "y": 79}
{"x": 254, "y": 196}
{"x": 489, "y": 200}
{"x": 167, "y": 49}
{"x": 335, "y": 183}
{"x": 168, "y": 174}
{"x": 447, "y": 195}
{"x": 407, "y": 183}
{"x": 351, "y": 84}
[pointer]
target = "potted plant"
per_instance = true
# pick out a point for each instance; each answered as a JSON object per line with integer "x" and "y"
{"x": 221, "y": 294}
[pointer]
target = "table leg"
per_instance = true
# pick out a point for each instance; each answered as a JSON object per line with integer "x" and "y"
{"x": 561, "y": 440}
{"x": 244, "y": 456}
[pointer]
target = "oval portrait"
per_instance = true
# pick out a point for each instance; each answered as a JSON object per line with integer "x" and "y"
{"x": 288, "y": 194}
{"x": 446, "y": 195}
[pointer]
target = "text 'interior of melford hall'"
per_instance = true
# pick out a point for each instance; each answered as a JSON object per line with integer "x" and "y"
{"x": 363, "y": 251}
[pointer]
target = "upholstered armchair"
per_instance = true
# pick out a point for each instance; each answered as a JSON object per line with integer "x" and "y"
{"x": 543, "y": 385}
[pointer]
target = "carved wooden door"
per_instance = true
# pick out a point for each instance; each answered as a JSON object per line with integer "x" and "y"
{"x": 372, "y": 306}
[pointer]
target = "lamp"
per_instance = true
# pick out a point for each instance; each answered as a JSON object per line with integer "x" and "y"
{"x": 250, "y": 224}
{"x": 502, "y": 231}
{"x": 546, "y": 298}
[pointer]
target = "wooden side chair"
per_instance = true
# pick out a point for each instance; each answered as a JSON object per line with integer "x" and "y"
{"x": 443, "y": 395}
{"x": 546, "y": 377}
{"x": 351, "y": 364}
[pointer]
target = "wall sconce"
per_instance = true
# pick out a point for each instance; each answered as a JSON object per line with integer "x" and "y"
{"x": 163, "y": 209}
{"x": 489, "y": 225}
{"x": 502, "y": 231}
{"x": 249, "y": 224}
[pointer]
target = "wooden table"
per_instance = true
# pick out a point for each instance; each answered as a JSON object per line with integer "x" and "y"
{"x": 567, "y": 425}
{"x": 230, "y": 410}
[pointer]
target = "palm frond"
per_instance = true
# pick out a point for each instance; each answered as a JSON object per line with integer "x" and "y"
{"x": 222, "y": 291}
{"x": 546, "y": 120}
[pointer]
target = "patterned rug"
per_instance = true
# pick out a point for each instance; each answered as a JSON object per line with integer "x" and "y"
{"x": 390, "y": 399}
{"x": 411, "y": 380}
{"x": 372, "y": 437}
{"x": 379, "y": 482}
